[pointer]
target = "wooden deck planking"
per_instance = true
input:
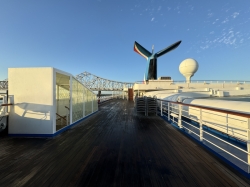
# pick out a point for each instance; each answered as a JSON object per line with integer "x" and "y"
{"x": 114, "y": 147}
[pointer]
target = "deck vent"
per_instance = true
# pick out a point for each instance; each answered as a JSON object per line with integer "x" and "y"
{"x": 164, "y": 78}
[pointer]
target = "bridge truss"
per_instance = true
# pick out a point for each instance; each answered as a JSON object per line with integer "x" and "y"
{"x": 4, "y": 85}
{"x": 91, "y": 81}
{"x": 96, "y": 83}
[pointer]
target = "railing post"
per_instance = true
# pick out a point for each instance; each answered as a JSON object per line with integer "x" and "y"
{"x": 5, "y": 108}
{"x": 227, "y": 122}
{"x": 201, "y": 130}
{"x": 248, "y": 144}
{"x": 179, "y": 117}
{"x": 92, "y": 103}
{"x": 83, "y": 104}
{"x": 70, "y": 100}
{"x": 168, "y": 111}
{"x": 161, "y": 108}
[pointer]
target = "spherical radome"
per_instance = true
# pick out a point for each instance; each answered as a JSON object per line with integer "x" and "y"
{"x": 188, "y": 66}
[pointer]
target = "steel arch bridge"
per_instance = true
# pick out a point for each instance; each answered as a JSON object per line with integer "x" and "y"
{"x": 91, "y": 81}
{"x": 4, "y": 84}
{"x": 96, "y": 83}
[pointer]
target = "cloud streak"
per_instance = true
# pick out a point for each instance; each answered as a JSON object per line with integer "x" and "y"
{"x": 235, "y": 14}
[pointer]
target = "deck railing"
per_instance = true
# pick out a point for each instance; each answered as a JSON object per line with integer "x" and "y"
{"x": 63, "y": 120}
{"x": 107, "y": 98}
{"x": 3, "y": 111}
{"x": 205, "y": 81}
{"x": 4, "y": 104}
{"x": 104, "y": 99}
{"x": 216, "y": 81}
{"x": 225, "y": 132}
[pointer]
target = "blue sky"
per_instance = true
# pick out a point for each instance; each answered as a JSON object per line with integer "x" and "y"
{"x": 98, "y": 36}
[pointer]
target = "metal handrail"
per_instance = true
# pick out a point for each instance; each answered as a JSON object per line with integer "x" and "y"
{"x": 237, "y": 113}
{"x": 226, "y": 142}
{"x": 227, "y": 152}
{"x": 61, "y": 116}
{"x": 203, "y": 81}
{"x": 201, "y": 116}
{"x": 191, "y": 131}
{"x": 6, "y": 104}
{"x": 214, "y": 81}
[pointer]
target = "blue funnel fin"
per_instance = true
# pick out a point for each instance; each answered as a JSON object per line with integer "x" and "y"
{"x": 168, "y": 49}
{"x": 141, "y": 50}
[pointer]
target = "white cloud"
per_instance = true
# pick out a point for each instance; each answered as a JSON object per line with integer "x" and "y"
{"x": 210, "y": 14}
{"x": 215, "y": 40}
{"x": 177, "y": 8}
{"x": 204, "y": 47}
{"x": 235, "y": 14}
{"x": 152, "y": 19}
{"x": 215, "y": 21}
{"x": 212, "y": 32}
{"x": 226, "y": 20}
{"x": 229, "y": 39}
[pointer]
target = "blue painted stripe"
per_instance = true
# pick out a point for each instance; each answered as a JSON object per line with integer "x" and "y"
{"x": 51, "y": 135}
{"x": 32, "y": 135}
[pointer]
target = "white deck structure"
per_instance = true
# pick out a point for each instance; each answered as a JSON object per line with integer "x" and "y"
{"x": 210, "y": 88}
{"x": 46, "y": 101}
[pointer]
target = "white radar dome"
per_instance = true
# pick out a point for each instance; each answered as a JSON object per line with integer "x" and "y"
{"x": 188, "y": 67}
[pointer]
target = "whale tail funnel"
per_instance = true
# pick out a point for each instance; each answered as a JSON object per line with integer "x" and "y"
{"x": 141, "y": 50}
{"x": 151, "y": 69}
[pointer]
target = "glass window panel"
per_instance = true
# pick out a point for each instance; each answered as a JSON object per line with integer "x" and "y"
{"x": 62, "y": 100}
{"x": 77, "y": 100}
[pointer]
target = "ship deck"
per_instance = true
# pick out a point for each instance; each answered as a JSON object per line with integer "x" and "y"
{"x": 114, "y": 147}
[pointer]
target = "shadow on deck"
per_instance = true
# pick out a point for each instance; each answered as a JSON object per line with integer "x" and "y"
{"x": 114, "y": 147}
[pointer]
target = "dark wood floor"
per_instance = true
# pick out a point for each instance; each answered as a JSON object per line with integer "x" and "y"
{"x": 114, "y": 147}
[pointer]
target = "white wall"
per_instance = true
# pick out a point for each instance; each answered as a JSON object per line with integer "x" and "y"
{"x": 33, "y": 93}
{"x": 158, "y": 85}
{"x": 31, "y": 90}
